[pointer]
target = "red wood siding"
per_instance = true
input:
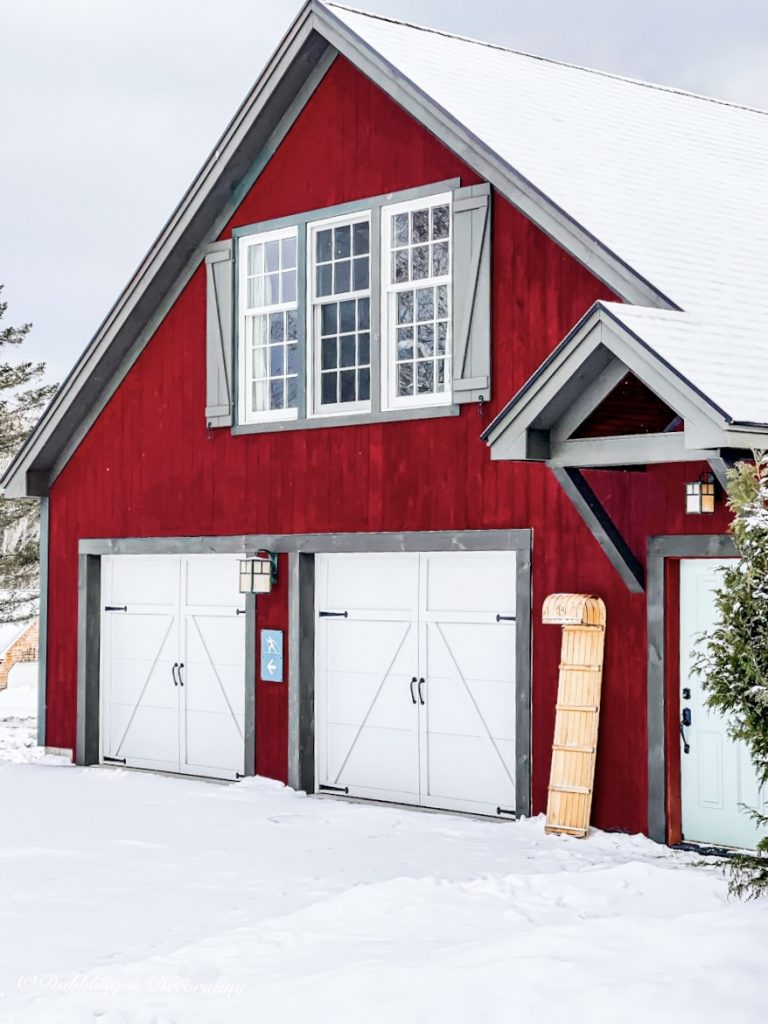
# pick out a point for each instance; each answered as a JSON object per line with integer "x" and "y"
{"x": 149, "y": 468}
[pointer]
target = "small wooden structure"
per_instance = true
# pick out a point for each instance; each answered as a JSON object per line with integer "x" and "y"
{"x": 574, "y": 748}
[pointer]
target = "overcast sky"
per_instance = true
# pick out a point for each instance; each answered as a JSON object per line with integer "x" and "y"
{"x": 109, "y": 107}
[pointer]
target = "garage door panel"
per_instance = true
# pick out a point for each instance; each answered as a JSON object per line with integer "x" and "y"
{"x": 487, "y": 708}
{"x": 148, "y": 717}
{"x": 148, "y": 733}
{"x": 370, "y": 583}
{"x": 358, "y": 765}
{"x": 211, "y": 581}
{"x": 136, "y": 637}
{"x": 214, "y": 639}
{"x": 470, "y": 769}
{"x": 213, "y": 743}
{"x": 459, "y": 737}
{"x": 353, "y": 696}
{"x": 357, "y": 646}
{"x": 476, "y": 650}
{"x": 483, "y": 582}
{"x": 142, "y": 580}
{"x": 143, "y": 680}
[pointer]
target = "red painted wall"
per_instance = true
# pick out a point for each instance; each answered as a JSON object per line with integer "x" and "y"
{"x": 149, "y": 468}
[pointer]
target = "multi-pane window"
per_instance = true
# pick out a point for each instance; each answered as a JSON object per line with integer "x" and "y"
{"x": 270, "y": 325}
{"x": 340, "y": 261}
{"x": 417, "y": 305}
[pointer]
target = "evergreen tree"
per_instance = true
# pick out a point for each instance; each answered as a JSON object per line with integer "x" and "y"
{"x": 733, "y": 658}
{"x": 22, "y": 398}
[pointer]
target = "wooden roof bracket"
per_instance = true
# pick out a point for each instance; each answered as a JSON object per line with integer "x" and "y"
{"x": 601, "y": 526}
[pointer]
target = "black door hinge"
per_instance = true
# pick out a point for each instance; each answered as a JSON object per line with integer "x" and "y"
{"x": 334, "y": 789}
{"x": 504, "y": 810}
{"x": 333, "y": 615}
{"x": 114, "y": 760}
{"x": 505, "y": 618}
{"x": 115, "y": 607}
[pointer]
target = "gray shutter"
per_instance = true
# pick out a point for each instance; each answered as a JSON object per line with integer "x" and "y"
{"x": 219, "y": 338}
{"x": 472, "y": 293}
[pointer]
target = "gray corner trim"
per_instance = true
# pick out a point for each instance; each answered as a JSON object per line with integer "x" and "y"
{"x": 312, "y": 543}
{"x": 301, "y": 672}
{"x": 523, "y": 675}
{"x": 371, "y": 203}
{"x": 249, "y": 731}
{"x": 660, "y": 548}
{"x": 348, "y": 419}
{"x": 547, "y": 215}
{"x": 42, "y": 642}
{"x": 87, "y": 750}
{"x": 601, "y": 526}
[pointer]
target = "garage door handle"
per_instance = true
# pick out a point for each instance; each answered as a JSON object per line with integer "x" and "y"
{"x": 181, "y": 666}
{"x": 421, "y": 695}
{"x": 413, "y": 695}
{"x": 173, "y": 673}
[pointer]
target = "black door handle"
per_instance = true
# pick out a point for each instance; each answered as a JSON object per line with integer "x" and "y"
{"x": 173, "y": 673}
{"x": 685, "y": 721}
{"x": 181, "y": 666}
{"x": 421, "y": 695}
{"x": 412, "y": 684}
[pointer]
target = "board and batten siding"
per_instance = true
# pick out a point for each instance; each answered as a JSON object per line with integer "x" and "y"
{"x": 149, "y": 467}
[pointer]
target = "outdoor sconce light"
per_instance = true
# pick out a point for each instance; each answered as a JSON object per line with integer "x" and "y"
{"x": 700, "y": 495}
{"x": 259, "y": 574}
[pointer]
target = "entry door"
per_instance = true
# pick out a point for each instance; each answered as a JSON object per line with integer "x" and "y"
{"x": 172, "y": 664}
{"x": 716, "y": 774}
{"x": 415, "y": 678}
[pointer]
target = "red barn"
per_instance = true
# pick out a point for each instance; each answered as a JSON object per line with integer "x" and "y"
{"x": 442, "y": 328}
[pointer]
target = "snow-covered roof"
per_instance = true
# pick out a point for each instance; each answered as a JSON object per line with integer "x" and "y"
{"x": 673, "y": 183}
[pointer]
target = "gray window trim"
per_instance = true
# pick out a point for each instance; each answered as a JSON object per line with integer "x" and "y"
{"x": 301, "y": 549}
{"x": 350, "y": 420}
{"x": 659, "y": 549}
{"x": 302, "y": 221}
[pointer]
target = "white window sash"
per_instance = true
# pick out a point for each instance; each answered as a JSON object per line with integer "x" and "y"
{"x": 247, "y": 414}
{"x": 315, "y": 409}
{"x": 390, "y": 400}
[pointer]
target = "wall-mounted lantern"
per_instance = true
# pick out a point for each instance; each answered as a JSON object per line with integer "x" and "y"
{"x": 258, "y": 574}
{"x": 700, "y": 495}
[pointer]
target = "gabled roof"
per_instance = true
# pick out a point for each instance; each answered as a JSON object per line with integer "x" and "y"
{"x": 659, "y": 192}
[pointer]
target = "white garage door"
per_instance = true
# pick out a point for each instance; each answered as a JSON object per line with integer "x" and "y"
{"x": 415, "y": 678}
{"x": 173, "y": 664}
{"x": 717, "y": 779}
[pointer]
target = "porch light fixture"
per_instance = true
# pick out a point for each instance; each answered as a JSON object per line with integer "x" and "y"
{"x": 258, "y": 574}
{"x": 700, "y": 495}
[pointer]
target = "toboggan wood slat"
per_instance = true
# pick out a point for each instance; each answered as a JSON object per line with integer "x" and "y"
{"x": 577, "y": 711}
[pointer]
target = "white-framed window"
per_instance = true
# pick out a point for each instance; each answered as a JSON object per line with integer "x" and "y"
{"x": 268, "y": 313}
{"x": 339, "y": 315}
{"x": 416, "y": 303}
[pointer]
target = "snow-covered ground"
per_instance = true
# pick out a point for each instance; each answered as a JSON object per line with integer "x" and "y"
{"x": 128, "y": 898}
